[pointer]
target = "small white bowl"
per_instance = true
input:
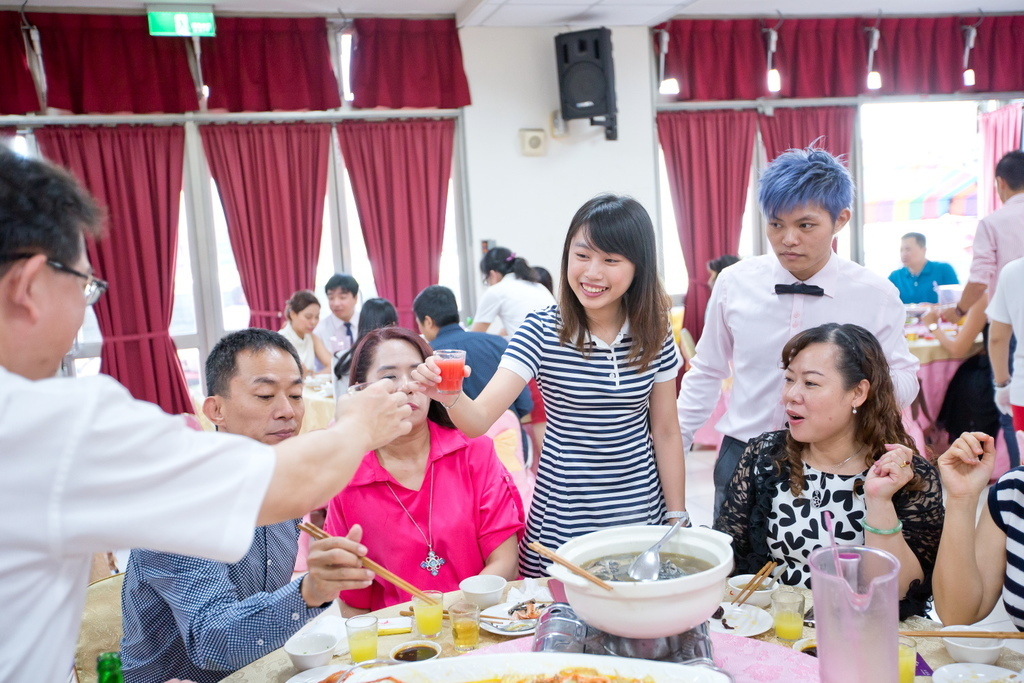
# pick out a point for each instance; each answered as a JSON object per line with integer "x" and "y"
{"x": 310, "y": 650}
{"x": 805, "y": 644}
{"x": 972, "y": 650}
{"x": 761, "y": 597}
{"x": 484, "y": 590}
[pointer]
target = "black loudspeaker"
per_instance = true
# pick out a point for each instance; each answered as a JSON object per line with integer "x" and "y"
{"x": 586, "y": 77}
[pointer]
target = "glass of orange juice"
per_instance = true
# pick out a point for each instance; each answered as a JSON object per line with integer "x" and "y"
{"x": 788, "y": 613}
{"x": 428, "y": 616}
{"x": 362, "y": 637}
{"x": 908, "y": 659}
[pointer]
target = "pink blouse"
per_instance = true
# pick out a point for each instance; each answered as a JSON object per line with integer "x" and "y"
{"x": 476, "y": 508}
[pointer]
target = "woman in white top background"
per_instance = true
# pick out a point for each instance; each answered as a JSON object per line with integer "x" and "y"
{"x": 303, "y": 313}
{"x": 513, "y": 291}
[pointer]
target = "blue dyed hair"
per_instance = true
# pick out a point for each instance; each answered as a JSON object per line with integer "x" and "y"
{"x": 799, "y": 177}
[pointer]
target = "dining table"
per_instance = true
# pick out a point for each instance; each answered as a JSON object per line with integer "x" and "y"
{"x": 761, "y": 658}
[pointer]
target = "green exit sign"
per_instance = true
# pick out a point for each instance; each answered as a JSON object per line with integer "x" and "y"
{"x": 168, "y": 21}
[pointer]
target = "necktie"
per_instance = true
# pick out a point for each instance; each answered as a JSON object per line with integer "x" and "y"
{"x": 800, "y": 288}
{"x": 348, "y": 331}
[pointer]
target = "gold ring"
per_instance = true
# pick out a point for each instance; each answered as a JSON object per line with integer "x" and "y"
{"x": 904, "y": 464}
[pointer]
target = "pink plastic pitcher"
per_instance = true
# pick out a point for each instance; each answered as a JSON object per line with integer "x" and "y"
{"x": 856, "y": 612}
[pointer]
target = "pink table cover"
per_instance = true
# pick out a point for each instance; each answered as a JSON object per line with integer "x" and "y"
{"x": 747, "y": 659}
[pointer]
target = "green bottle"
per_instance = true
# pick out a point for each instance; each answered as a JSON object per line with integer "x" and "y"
{"x": 108, "y": 668}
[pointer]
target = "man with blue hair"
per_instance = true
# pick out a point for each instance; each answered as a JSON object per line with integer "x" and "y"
{"x": 760, "y": 303}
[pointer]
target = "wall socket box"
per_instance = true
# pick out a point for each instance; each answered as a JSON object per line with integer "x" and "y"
{"x": 533, "y": 142}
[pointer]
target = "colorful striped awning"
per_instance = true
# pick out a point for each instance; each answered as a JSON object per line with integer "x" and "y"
{"x": 933, "y": 193}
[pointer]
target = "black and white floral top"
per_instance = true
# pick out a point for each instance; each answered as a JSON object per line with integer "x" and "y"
{"x": 767, "y": 522}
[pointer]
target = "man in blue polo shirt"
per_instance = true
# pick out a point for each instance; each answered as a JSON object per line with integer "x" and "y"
{"x": 919, "y": 277}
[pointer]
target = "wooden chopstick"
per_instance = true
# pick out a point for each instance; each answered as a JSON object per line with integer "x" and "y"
{"x": 999, "y": 635}
{"x": 754, "y": 583}
{"x": 575, "y": 569}
{"x": 389, "y": 576}
{"x": 483, "y": 617}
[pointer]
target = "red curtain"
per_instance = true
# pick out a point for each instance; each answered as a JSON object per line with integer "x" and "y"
{"x": 18, "y": 92}
{"x": 400, "y": 63}
{"x": 1000, "y": 133}
{"x": 798, "y": 127}
{"x": 261, "y": 64}
{"x": 272, "y": 181}
{"x": 717, "y": 60}
{"x": 708, "y": 156}
{"x": 136, "y": 173}
{"x": 726, "y": 59}
{"x": 997, "y": 38}
{"x": 400, "y": 172}
{"x": 105, "y": 64}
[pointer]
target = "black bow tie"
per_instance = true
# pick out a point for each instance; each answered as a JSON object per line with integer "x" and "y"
{"x": 800, "y": 288}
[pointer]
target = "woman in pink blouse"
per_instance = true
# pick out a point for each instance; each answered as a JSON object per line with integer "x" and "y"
{"x": 435, "y": 506}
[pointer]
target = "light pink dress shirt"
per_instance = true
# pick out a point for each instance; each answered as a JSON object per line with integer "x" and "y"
{"x": 476, "y": 508}
{"x": 747, "y": 324}
{"x": 998, "y": 240}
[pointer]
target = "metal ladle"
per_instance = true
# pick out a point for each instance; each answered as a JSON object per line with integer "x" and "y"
{"x": 647, "y": 565}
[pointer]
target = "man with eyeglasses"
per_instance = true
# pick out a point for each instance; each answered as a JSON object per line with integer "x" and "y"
{"x": 85, "y": 468}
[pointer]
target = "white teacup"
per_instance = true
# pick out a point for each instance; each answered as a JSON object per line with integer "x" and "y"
{"x": 310, "y": 650}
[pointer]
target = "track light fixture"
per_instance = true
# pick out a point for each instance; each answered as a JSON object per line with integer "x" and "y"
{"x": 874, "y": 78}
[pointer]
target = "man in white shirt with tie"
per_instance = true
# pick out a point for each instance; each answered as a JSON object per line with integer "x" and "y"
{"x": 340, "y": 329}
{"x": 760, "y": 303}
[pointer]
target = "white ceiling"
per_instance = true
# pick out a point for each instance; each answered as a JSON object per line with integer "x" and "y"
{"x": 565, "y": 12}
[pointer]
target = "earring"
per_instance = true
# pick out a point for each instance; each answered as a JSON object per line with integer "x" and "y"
{"x": 855, "y": 410}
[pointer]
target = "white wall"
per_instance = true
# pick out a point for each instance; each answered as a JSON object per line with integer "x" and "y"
{"x": 526, "y": 203}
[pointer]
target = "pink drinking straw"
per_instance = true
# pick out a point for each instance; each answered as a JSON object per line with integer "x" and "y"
{"x": 846, "y": 564}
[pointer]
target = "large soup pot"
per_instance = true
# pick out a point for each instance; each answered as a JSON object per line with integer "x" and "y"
{"x": 652, "y": 609}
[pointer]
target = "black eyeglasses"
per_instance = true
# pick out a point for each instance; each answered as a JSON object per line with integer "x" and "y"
{"x": 93, "y": 287}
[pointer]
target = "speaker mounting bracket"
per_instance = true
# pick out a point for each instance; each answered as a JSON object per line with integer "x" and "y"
{"x": 611, "y": 129}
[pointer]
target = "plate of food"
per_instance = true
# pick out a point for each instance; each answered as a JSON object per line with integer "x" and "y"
{"x": 522, "y": 621}
{"x": 976, "y": 673}
{"x": 533, "y": 667}
{"x": 740, "y": 620}
{"x": 317, "y": 674}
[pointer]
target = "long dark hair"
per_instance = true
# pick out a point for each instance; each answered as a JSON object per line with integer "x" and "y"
{"x": 505, "y": 261}
{"x": 619, "y": 225}
{"x": 376, "y": 313}
{"x": 879, "y": 420}
{"x": 366, "y": 351}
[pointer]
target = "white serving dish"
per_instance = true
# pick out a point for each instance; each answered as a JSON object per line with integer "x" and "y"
{"x": 650, "y": 609}
{"x": 483, "y": 667}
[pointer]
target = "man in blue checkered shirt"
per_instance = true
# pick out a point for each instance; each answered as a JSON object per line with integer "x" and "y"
{"x": 193, "y": 618}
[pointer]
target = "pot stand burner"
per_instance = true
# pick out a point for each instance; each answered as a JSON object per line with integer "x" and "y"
{"x": 560, "y": 630}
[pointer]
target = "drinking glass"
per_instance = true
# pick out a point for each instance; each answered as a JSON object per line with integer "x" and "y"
{"x": 428, "y": 616}
{"x": 465, "y": 617}
{"x": 788, "y": 612}
{"x": 450, "y": 362}
{"x": 356, "y": 388}
{"x": 362, "y": 638}
{"x": 908, "y": 659}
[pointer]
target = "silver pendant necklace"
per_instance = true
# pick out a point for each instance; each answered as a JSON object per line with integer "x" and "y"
{"x": 818, "y": 494}
{"x": 433, "y": 561}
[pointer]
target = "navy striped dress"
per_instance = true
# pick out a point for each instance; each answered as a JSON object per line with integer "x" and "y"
{"x": 597, "y": 468}
{"x": 1006, "y": 505}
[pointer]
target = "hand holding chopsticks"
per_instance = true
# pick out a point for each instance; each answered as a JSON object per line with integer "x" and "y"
{"x": 389, "y": 576}
{"x": 755, "y": 583}
{"x": 575, "y": 569}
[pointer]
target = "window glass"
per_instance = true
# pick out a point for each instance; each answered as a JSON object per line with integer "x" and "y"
{"x": 232, "y": 299}
{"x": 183, "y": 315}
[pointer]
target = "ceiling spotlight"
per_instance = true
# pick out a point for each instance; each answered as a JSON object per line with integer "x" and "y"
{"x": 774, "y": 78}
{"x": 970, "y": 37}
{"x": 874, "y": 78}
{"x": 669, "y": 86}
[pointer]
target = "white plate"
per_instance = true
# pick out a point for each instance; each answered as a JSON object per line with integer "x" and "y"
{"x": 317, "y": 674}
{"x": 746, "y": 620}
{"x": 482, "y": 667}
{"x": 975, "y": 673}
{"x": 502, "y": 611}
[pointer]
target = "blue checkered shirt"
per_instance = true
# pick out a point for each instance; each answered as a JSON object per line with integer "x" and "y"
{"x": 190, "y": 618}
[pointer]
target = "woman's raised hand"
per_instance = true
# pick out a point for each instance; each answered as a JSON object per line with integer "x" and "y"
{"x": 890, "y": 473}
{"x": 966, "y": 468}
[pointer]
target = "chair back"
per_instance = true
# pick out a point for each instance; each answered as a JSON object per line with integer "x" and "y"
{"x": 101, "y": 625}
{"x": 507, "y": 435}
